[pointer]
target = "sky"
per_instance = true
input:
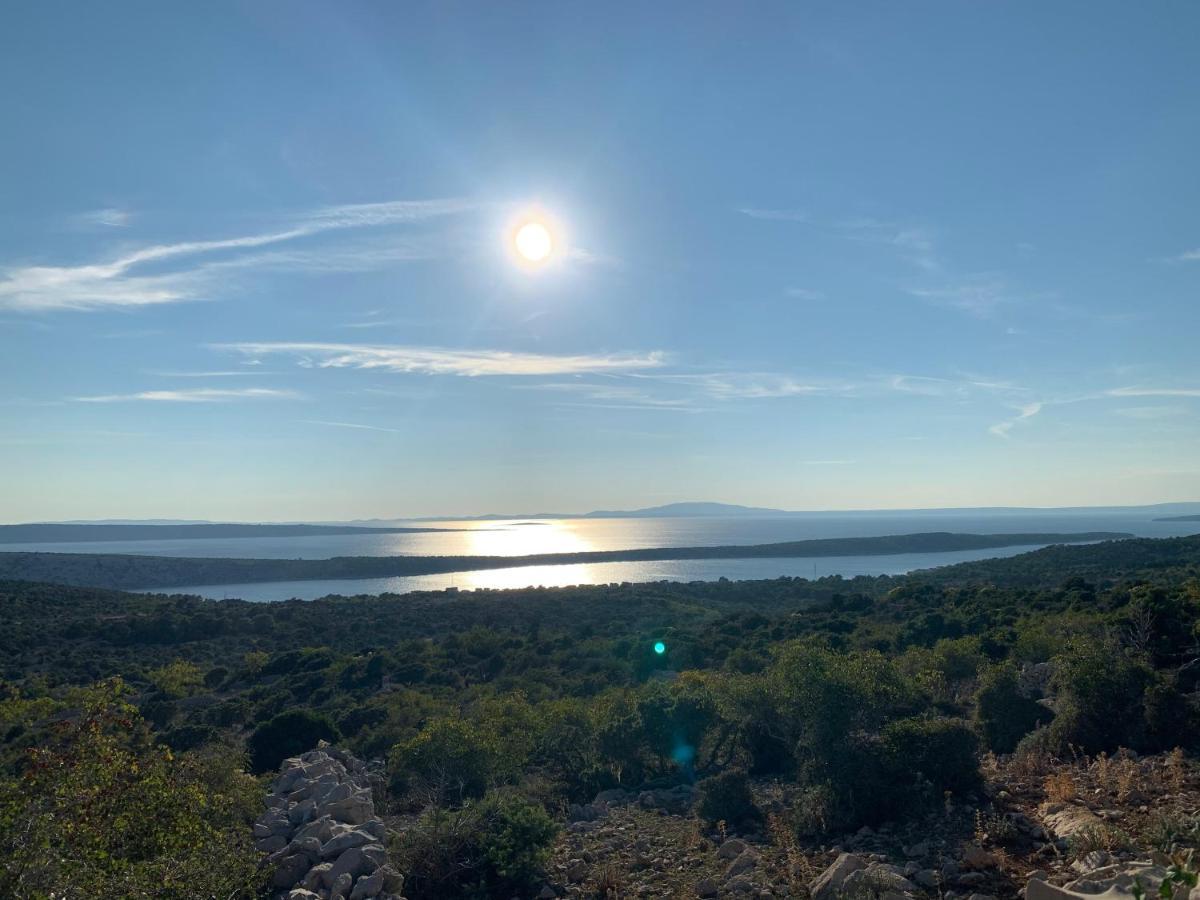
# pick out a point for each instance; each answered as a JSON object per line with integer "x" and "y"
{"x": 256, "y": 264}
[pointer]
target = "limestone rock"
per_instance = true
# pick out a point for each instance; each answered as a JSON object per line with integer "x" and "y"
{"x": 370, "y": 886}
{"x": 828, "y": 885}
{"x": 290, "y": 871}
{"x": 731, "y": 849}
{"x": 1066, "y": 819}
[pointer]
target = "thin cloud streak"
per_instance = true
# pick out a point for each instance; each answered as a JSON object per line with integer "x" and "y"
{"x": 1002, "y": 429}
{"x": 196, "y": 395}
{"x": 1153, "y": 392}
{"x": 353, "y": 425}
{"x": 115, "y": 284}
{"x": 779, "y": 215}
{"x": 446, "y": 361}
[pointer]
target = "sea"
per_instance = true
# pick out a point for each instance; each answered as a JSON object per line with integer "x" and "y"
{"x": 519, "y": 537}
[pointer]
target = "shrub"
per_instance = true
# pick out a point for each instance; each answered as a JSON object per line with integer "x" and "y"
{"x": 941, "y": 752}
{"x": 516, "y": 839}
{"x": 1100, "y": 691}
{"x": 102, "y": 812}
{"x": 726, "y": 798}
{"x": 1002, "y": 715}
{"x": 176, "y": 679}
{"x": 496, "y": 847}
{"x": 288, "y": 734}
{"x": 452, "y": 758}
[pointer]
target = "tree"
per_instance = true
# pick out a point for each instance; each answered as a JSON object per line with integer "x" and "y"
{"x": 288, "y": 734}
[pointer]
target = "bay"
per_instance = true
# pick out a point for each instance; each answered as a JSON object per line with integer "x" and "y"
{"x": 521, "y": 537}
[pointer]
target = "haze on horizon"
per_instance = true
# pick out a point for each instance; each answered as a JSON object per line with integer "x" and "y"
{"x": 266, "y": 262}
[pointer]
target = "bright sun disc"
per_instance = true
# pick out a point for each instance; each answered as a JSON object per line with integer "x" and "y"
{"x": 533, "y": 242}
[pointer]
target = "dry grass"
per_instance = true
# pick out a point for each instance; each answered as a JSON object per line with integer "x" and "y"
{"x": 799, "y": 870}
{"x": 1098, "y": 837}
{"x": 1061, "y": 787}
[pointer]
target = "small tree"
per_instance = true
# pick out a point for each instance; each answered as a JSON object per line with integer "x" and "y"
{"x": 100, "y": 811}
{"x": 1002, "y": 715}
{"x": 288, "y": 734}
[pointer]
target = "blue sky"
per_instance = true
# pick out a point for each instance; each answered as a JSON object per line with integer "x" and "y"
{"x": 254, "y": 265}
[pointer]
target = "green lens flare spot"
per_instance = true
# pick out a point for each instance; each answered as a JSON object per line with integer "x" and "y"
{"x": 660, "y": 648}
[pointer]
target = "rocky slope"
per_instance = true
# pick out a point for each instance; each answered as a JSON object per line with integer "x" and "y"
{"x": 322, "y": 838}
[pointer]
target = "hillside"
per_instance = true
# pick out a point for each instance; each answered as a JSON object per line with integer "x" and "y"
{"x": 649, "y": 736}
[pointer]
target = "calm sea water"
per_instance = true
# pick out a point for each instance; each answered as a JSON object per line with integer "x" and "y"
{"x": 516, "y": 538}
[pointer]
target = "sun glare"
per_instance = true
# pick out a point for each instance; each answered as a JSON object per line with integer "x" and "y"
{"x": 535, "y": 239}
{"x": 533, "y": 242}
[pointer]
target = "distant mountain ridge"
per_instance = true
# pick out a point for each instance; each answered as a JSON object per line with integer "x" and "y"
{"x": 701, "y": 509}
{"x": 76, "y": 532}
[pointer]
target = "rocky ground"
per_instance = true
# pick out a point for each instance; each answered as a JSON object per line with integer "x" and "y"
{"x": 1083, "y": 826}
{"x": 321, "y": 834}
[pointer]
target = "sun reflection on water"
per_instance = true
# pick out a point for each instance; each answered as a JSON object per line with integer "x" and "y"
{"x": 524, "y": 538}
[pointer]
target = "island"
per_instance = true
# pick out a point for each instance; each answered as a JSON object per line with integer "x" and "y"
{"x": 129, "y": 571}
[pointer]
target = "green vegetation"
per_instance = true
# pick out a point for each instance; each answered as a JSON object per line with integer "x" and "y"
{"x": 494, "y": 710}
{"x": 100, "y": 811}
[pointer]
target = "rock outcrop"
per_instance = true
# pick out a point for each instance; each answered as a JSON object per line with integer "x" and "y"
{"x": 1116, "y": 882}
{"x": 321, "y": 834}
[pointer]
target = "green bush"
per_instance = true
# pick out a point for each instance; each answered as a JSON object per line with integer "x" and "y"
{"x": 1101, "y": 699}
{"x": 103, "y": 812}
{"x": 288, "y": 734}
{"x": 516, "y": 840}
{"x": 1002, "y": 715}
{"x": 726, "y": 797}
{"x": 939, "y": 752}
{"x": 495, "y": 847}
{"x": 452, "y": 759}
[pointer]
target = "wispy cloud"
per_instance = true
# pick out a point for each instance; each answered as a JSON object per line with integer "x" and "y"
{"x": 1024, "y": 413}
{"x": 447, "y": 361}
{"x": 111, "y": 217}
{"x": 196, "y": 395}
{"x": 913, "y": 243}
{"x": 1154, "y": 392}
{"x": 352, "y": 425}
{"x": 756, "y": 385}
{"x": 783, "y": 215}
{"x": 1188, "y": 256}
{"x": 827, "y": 462}
{"x": 123, "y": 281}
{"x": 977, "y": 296}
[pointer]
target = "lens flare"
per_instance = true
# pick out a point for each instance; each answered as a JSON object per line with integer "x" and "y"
{"x": 660, "y": 648}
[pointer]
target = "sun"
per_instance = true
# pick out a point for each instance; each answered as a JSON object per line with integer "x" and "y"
{"x": 533, "y": 242}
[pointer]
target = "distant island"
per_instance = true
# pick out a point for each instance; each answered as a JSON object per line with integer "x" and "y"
{"x": 1178, "y": 519}
{"x": 125, "y": 571}
{"x": 78, "y": 532}
{"x": 700, "y": 509}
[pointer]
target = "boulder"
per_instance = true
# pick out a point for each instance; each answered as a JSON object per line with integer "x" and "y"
{"x": 341, "y": 887}
{"x": 335, "y": 846}
{"x": 731, "y": 849}
{"x": 352, "y": 862}
{"x": 290, "y": 870}
{"x": 319, "y": 877}
{"x": 368, "y": 886}
{"x": 707, "y": 888}
{"x": 354, "y": 810}
{"x": 828, "y": 885}
{"x": 975, "y": 857}
{"x": 745, "y": 862}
